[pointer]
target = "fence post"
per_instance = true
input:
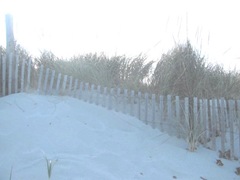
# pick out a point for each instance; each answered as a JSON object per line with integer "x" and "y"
{"x": 125, "y": 95}
{"x": 58, "y": 83}
{"x": 86, "y": 91}
{"x": 92, "y": 93}
{"x": 177, "y": 106}
{"x": 22, "y": 75}
{"x": 110, "y": 99}
{"x": 153, "y": 110}
{"x": 40, "y": 79}
{"x": 222, "y": 125}
{"x": 16, "y": 74}
{"x": 98, "y": 94}
{"x": 51, "y": 82}
{"x": 214, "y": 123}
{"x": 225, "y": 110}
{"x": 70, "y": 86}
{"x": 238, "y": 124}
{"x": 146, "y": 108}
{"x": 75, "y": 88}
{"x": 186, "y": 111}
{"x": 139, "y": 105}
{"x": 210, "y": 120}
{"x": 231, "y": 121}
{"x": 195, "y": 113}
{"x": 10, "y": 42}
{"x": 10, "y": 51}
{"x": 4, "y": 75}
{"x": 132, "y": 103}
{"x": 29, "y": 75}
{"x": 205, "y": 121}
{"x": 64, "y": 84}
{"x": 169, "y": 113}
{"x": 201, "y": 121}
{"x": 45, "y": 81}
{"x": 10, "y": 62}
{"x": 80, "y": 91}
{"x": 104, "y": 102}
{"x": 161, "y": 115}
{"x": 217, "y": 125}
{"x": 169, "y": 107}
{"x": 117, "y": 99}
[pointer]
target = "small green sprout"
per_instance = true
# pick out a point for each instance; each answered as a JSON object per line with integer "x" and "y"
{"x": 50, "y": 164}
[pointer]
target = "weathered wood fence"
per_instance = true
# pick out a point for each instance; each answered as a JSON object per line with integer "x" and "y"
{"x": 213, "y": 122}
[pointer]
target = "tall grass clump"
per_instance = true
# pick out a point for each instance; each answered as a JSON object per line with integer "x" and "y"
{"x": 221, "y": 83}
{"x": 180, "y": 72}
{"x": 183, "y": 72}
{"x": 116, "y": 71}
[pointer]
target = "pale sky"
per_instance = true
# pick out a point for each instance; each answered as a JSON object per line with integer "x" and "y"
{"x": 131, "y": 27}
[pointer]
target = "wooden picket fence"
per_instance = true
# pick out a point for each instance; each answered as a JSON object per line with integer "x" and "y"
{"x": 214, "y": 122}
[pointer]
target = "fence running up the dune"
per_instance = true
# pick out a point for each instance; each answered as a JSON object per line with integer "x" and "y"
{"x": 214, "y": 122}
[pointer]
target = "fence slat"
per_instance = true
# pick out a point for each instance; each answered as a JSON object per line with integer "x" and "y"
{"x": 40, "y": 79}
{"x": 132, "y": 103}
{"x": 146, "y": 109}
{"x": 16, "y": 74}
{"x": 86, "y": 91}
{"x": 177, "y": 107}
{"x": 22, "y": 75}
{"x": 64, "y": 84}
{"x": 201, "y": 121}
{"x": 238, "y": 125}
{"x": 29, "y": 74}
{"x": 58, "y": 83}
{"x": 92, "y": 93}
{"x": 46, "y": 81}
{"x": 169, "y": 113}
{"x": 139, "y": 106}
{"x": 169, "y": 107}
{"x": 51, "y": 82}
{"x": 10, "y": 64}
{"x": 104, "y": 102}
{"x": 231, "y": 121}
{"x": 153, "y": 111}
{"x": 98, "y": 94}
{"x": 195, "y": 113}
{"x": 210, "y": 123}
{"x": 75, "y": 88}
{"x": 186, "y": 112}
{"x": 110, "y": 99}
{"x": 161, "y": 115}
{"x": 70, "y": 86}
{"x": 125, "y": 95}
{"x": 222, "y": 125}
{"x": 217, "y": 116}
{"x": 117, "y": 108}
{"x": 80, "y": 91}
{"x": 4, "y": 75}
{"x": 205, "y": 120}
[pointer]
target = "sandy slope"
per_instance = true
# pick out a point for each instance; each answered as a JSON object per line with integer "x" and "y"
{"x": 90, "y": 142}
